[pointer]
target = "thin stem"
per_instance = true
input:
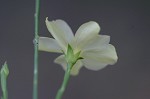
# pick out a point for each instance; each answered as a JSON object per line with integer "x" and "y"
{"x": 64, "y": 84}
{"x": 4, "y": 86}
{"x": 35, "y": 78}
{"x": 4, "y": 72}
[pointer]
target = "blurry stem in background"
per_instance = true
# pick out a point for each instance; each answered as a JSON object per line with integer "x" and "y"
{"x": 65, "y": 82}
{"x": 3, "y": 75}
{"x": 36, "y": 38}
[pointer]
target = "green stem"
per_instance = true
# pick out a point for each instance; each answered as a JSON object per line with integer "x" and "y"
{"x": 4, "y": 72}
{"x": 4, "y": 86}
{"x": 65, "y": 82}
{"x": 35, "y": 78}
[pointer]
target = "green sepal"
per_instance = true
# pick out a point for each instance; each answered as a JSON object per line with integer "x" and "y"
{"x": 72, "y": 57}
{"x": 77, "y": 57}
{"x": 77, "y": 54}
{"x": 80, "y": 58}
{"x": 69, "y": 54}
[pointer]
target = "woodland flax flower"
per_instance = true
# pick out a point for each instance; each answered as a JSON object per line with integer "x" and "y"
{"x": 87, "y": 48}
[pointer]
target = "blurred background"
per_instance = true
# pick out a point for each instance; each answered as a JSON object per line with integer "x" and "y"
{"x": 126, "y": 21}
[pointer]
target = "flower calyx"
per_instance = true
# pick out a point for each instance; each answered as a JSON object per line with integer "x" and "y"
{"x": 72, "y": 57}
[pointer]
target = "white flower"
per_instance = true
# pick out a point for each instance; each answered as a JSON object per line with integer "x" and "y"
{"x": 95, "y": 49}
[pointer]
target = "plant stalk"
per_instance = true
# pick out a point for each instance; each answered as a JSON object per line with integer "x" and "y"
{"x": 4, "y": 72}
{"x": 4, "y": 86}
{"x": 64, "y": 84}
{"x": 35, "y": 75}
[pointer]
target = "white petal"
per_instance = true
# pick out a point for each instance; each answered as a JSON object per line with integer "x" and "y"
{"x": 93, "y": 65}
{"x": 61, "y": 31}
{"x": 49, "y": 45}
{"x": 99, "y": 42}
{"x": 86, "y": 32}
{"x": 76, "y": 68}
{"x": 97, "y": 59}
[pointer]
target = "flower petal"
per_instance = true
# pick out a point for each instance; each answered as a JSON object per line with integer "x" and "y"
{"x": 86, "y": 32}
{"x": 75, "y": 69}
{"x": 97, "y": 59}
{"x": 93, "y": 65}
{"x": 61, "y": 31}
{"x": 99, "y": 42}
{"x": 49, "y": 45}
